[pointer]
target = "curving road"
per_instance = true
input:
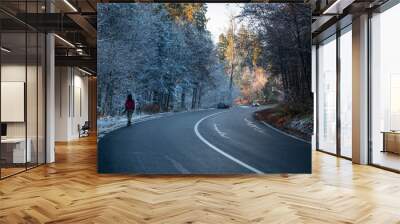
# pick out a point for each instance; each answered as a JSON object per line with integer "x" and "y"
{"x": 203, "y": 142}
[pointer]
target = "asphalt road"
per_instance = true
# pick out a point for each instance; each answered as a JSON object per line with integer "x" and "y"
{"x": 203, "y": 142}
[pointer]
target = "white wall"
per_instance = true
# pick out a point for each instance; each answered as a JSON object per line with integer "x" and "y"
{"x": 17, "y": 73}
{"x": 71, "y": 94}
{"x": 33, "y": 126}
{"x": 62, "y": 82}
{"x": 14, "y": 72}
{"x": 80, "y": 112}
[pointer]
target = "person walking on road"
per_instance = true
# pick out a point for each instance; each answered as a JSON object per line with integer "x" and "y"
{"x": 129, "y": 108}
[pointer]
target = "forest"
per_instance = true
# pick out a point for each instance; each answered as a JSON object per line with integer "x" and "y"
{"x": 270, "y": 56}
{"x": 164, "y": 55}
{"x": 161, "y": 53}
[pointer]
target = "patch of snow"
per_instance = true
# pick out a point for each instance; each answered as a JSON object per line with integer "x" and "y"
{"x": 304, "y": 125}
{"x": 108, "y": 124}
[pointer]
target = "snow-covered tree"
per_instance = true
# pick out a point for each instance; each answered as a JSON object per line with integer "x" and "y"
{"x": 160, "y": 53}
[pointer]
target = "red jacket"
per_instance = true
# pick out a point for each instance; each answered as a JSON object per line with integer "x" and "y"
{"x": 130, "y": 105}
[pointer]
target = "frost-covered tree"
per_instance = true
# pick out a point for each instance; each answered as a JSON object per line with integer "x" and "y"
{"x": 161, "y": 53}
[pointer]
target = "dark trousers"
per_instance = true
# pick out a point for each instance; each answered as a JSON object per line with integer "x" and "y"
{"x": 129, "y": 114}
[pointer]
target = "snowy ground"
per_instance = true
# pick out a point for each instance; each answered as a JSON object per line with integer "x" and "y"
{"x": 108, "y": 124}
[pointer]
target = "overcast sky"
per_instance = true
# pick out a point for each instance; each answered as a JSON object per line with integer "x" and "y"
{"x": 218, "y": 15}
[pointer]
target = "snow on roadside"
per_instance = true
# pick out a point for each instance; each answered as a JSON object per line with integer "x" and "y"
{"x": 302, "y": 124}
{"x": 108, "y": 124}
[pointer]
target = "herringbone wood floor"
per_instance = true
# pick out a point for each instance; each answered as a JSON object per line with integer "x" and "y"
{"x": 70, "y": 191}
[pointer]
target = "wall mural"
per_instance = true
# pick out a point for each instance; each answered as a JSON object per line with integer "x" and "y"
{"x": 204, "y": 88}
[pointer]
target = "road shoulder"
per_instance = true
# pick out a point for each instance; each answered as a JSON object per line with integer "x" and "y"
{"x": 299, "y": 128}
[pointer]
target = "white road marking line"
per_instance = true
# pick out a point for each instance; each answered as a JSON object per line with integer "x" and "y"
{"x": 222, "y": 134}
{"x": 196, "y": 126}
{"x": 254, "y": 126}
{"x": 178, "y": 166}
{"x": 282, "y": 132}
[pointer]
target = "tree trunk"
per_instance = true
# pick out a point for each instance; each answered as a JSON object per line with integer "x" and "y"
{"x": 168, "y": 99}
{"x": 183, "y": 96}
{"x": 194, "y": 98}
{"x": 162, "y": 101}
{"x": 108, "y": 97}
{"x": 199, "y": 97}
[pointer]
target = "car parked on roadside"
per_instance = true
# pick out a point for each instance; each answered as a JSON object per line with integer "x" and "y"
{"x": 222, "y": 106}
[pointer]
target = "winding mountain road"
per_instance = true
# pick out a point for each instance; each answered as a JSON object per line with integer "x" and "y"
{"x": 203, "y": 142}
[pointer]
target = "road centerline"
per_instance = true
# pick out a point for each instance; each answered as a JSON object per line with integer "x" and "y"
{"x": 221, "y": 133}
{"x": 243, "y": 164}
{"x": 253, "y": 126}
